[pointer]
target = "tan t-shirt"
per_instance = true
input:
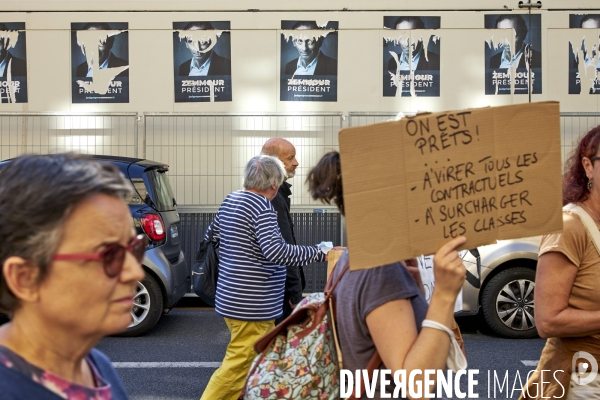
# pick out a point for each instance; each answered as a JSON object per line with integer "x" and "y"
{"x": 577, "y": 245}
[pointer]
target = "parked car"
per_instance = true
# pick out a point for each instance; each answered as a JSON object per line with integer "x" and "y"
{"x": 501, "y": 283}
{"x": 154, "y": 213}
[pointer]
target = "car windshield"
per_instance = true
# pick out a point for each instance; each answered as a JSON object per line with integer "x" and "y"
{"x": 161, "y": 192}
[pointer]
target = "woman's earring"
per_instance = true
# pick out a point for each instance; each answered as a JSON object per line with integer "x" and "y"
{"x": 589, "y": 185}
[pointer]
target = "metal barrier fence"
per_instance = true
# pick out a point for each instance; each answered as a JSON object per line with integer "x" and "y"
{"x": 309, "y": 229}
{"x": 94, "y": 133}
{"x": 572, "y": 125}
{"x": 207, "y": 152}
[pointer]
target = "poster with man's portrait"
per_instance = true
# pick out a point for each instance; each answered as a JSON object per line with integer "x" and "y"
{"x": 411, "y": 61}
{"x": 100, "y": 62}
{"x": 515, "y": 55}
{"x": 584, "y": 55}
{"x": 202, "y": 61}
{"x": 13, "y": 63}
{"x": 309, "y": 53}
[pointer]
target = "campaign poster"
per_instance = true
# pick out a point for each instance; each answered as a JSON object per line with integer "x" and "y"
{"x": 411, "y": 60}
{"x": 512, "y": 57}
{"x": 202, "y": 61}
{"x": 13, "y": 63}
{"x": 309, "y": 53}
{"x": 100, "y": 62}
{"x": 584, "y": 57}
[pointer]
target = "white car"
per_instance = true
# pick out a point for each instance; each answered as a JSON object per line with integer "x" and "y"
{"x": 501, "y": 282}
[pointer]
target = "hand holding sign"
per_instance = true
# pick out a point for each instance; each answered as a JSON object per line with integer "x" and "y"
{"x": 449, "y": 271}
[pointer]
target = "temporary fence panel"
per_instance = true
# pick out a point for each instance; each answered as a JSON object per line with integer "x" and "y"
{"x": 207, "y": 153}
{"x": 368, "y": 118}
{"x": 114, "y": 134}
{"x": 573, "y": 126}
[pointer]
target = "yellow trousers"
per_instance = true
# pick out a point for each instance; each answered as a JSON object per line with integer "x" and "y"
{"x": 228, "y": 380}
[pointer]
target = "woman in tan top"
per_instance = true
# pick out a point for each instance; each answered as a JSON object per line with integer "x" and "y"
{"x": 567, "y": 292}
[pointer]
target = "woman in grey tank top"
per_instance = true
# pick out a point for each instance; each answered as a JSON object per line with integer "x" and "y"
{"x": 383, "y": 308}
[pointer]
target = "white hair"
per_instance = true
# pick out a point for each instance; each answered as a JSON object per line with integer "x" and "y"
{"x": 263, "y": 171}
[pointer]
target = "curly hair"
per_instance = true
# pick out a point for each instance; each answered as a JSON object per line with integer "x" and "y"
{"x": 325, "y": 180}
{"x": 575, "y": 179}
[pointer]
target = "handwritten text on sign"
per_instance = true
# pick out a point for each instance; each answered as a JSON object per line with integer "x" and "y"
{"x": 487, "y": 174}
{"x": 463, "y": 181}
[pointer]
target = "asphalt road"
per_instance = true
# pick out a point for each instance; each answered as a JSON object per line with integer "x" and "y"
{"x": 176, "y": 359}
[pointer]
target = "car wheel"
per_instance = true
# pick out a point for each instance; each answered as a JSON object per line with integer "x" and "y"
{"x": 147, "y": 307}
{"x": 507, "y": 303}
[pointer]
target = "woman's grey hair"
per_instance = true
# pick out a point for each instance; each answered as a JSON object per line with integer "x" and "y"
{"x": 263, "y": 171}
{"x": 37, "y": 195}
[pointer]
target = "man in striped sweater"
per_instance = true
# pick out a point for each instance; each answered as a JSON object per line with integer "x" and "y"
{"x": 252, "y": 260}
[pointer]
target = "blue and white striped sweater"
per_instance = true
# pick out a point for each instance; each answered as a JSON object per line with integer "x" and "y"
{"x": 252, "y": 258}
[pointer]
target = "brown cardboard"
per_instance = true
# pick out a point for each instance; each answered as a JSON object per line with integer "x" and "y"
{"x": 507, "y": 158}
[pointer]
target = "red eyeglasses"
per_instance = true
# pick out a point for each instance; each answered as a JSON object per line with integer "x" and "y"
{"x": 113, "y": 256}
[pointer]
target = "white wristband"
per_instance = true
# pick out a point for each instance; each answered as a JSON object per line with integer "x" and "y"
{"x": 427, "y": 323}
{"x": 456, "y": 359}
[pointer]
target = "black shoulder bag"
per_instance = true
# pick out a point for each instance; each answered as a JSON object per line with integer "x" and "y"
{"x": 205, "y": 271}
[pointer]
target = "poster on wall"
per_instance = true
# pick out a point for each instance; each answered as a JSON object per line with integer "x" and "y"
{"x": 309, "y": 52}
{"x": 584, "y": 57}
{"x": 202, "y": 61}
{"x": 100, "y": 62}
{"x": 13, "y": 63}
{"x": 411, "y": 60}
{"x": 510, "y": 57}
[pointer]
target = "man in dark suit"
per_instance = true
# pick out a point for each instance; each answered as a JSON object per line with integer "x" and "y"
{"x": 294, "y": 280}
{"x": 506, "y": 58}
{"x": 18, "y": 67}
{"x": 205, "y": 61}
{"x": 432, "y": 62}
{"x": 106, "y": 57}
{"x": 311, "y": 60}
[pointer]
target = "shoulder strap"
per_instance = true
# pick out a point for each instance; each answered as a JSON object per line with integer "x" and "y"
{"x": 375, "y": 361}
{"x": 212, "y": 230}
{"x": 588, "y": 222}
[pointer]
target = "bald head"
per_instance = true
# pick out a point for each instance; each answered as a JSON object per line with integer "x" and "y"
{"x": 285, "y": 151}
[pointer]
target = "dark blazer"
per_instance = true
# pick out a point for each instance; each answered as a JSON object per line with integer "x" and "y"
{"x": 294, "y": 279}
{"x": 18, "y": 66}
{"x": 433, "y": 62}
{"x": 325, "y": 66}
{"x": 536, "y": 60}
{"x": 113, "y": 62}
{"x": 218, "y": 66}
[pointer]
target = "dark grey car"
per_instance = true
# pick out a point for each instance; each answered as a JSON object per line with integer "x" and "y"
{"x": 154, "y": 213}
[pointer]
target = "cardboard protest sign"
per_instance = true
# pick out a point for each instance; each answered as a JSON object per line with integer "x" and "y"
{"x": 487, "y": 174}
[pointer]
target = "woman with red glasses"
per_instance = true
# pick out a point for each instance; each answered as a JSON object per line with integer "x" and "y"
{"x": 70, "y": 265}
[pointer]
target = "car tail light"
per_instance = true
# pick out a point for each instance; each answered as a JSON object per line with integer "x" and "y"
{"x": 153, "y": 226}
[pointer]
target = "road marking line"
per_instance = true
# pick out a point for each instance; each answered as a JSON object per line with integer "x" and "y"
{"x": 166, "y": 364}
{"x": 530, "y": 363}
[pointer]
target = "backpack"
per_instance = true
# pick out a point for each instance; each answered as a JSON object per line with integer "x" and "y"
{"x": 205, "y": 271}
{"x": 300, "y": 358}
